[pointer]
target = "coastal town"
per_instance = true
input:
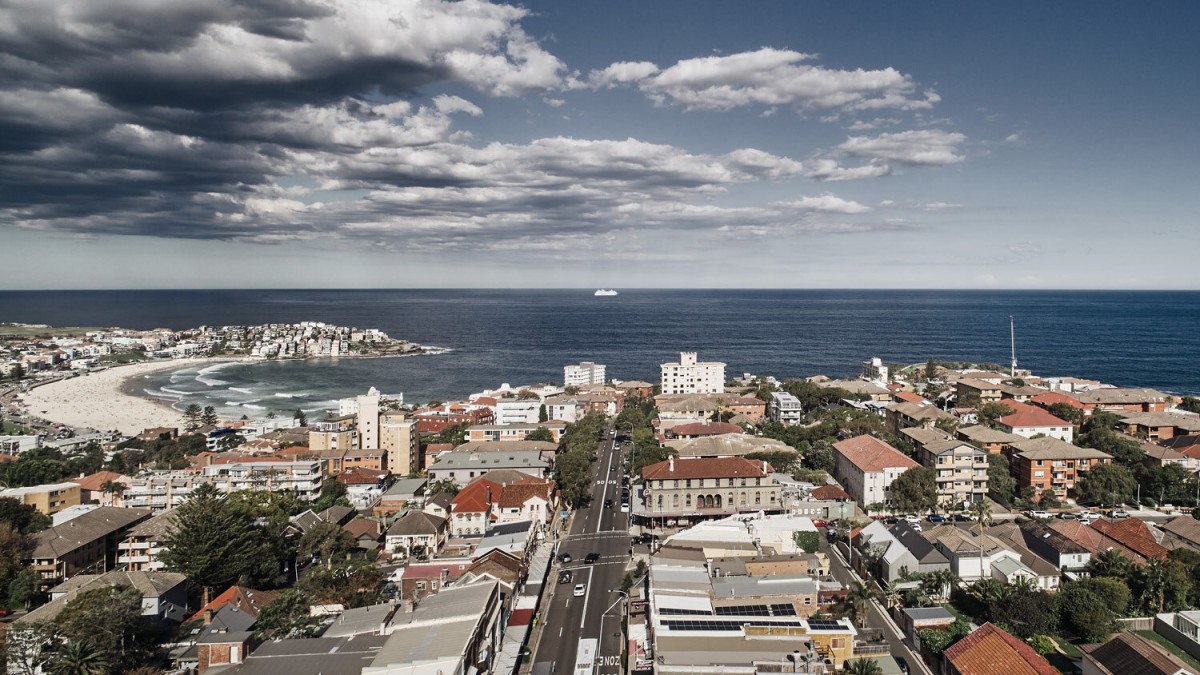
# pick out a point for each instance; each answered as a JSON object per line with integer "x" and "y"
{"x": 933, "y": 517}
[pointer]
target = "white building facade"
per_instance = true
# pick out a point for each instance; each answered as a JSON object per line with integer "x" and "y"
{"x": 584, "y": 374}
{"x": 689, "y": 376}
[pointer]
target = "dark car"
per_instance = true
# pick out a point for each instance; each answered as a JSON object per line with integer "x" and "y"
{"x": 565, "y": 577}
{"x": 564, "y": 558}
{"x": 937, "y": 519}
{"x": 608, "y": 503}
{"x": 891, "y": 520}
{"x": 591, "y": 558}
{"x": 901, "y": 663}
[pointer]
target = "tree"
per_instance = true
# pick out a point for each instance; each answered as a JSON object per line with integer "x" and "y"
{"x": 228, "y": 442}
{"x": 782, "y": 461}
{"x": 1067, "y": 412}
{"x": 326, "y": 541}
{"x": 1026, "y": 613}
{"x": 191, "y": 416}
{"x": 863, "y": 666}
{"x": 110, "y": 620}
{"x": 1190, "y": 404}
{"x": 990, "y": 412}
{"x": 1113, "y": 592}
{"x": 216, "y": 546}
{"x": 1110, "y": 563}
{"x": 931, "y": 370}
{"x": 286, "y": 616}
{"x": 209, "y": 416}
{"x": 1105, "y": 484}
{"x": 1085, "y": 614}
{"x": 23, "y": 517}
{"x": 455, "y": 434}
{"x": 25, "y": 588}
{"x": 1163, "y": 585}
{"x": 543, "y": 414}
{"x": 113, "y": 488}
{"x": 15, "y": 547}
{"x": 300, "y": 418}
{"x": 819, "y": 456}
{"x": 1001, "y": 484}
{"x": 443, "y": 485}
{"x": 333, "y": 492}
{"x": 77, "y": 657}
{"x": 982, "y": 510}
{"x": 936, "y": 641}
{"x": 573, "y": 474}
{"x": 858, "y": 599}
{"x": 915, "y": 490}
{"x": 1049, "y": 499}
{"x": 540, "y": 434}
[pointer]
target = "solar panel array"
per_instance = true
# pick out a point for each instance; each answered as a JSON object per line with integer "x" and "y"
{"x": 783, "y": 610}
{"x": 676, "y": 611}
{"x": 825, "y": 625}
{"x": 744, "y": 610}
{"x": 695, "y": 625}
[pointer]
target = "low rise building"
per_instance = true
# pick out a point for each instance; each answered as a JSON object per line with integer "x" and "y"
{"x": 960, "y": 471}
{"x": 866, "y": 466}
{"x": 464, "y": 467}
{"x": 989, "y": 649}
{"x": 48, "y": 499}
{"x": 1128, "y": 400}
{"x": 904, "y": 415}
{"x": 86, "y": 544}
{"x": 139, "y": 549}
{"x": 784, "y": 408}
{"x": 992, "y": 440}
{"x": 1051, "y": 464}
{"x": 302, "y": 478}
{"x": 497, "y": 433}
{"x": 691, "y": 489}
{"x": 1029, "y": 420}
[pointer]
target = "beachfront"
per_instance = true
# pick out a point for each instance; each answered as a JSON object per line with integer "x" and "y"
{"x": 96, "y": 400}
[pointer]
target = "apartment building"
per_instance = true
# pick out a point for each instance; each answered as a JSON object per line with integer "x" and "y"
{"x": 518, "y": 411}
{"x": 138, "y": 550}
{"x": 48, "y": 499}
{"x": 689, "y": 376}
{"x": 86, "y": 544}
{"x": 698, "y": 488}
{"x": 784, "y": 408}
{"x": 977, "y": 393}
{"x": 866, "y": 466}
{"x": 464, "y": 467}
{"x": 960, "y": 471}
{"x": 301, "y": 477}
{"x": 512, "y": 432}
{"x": 901, "y": 416}
{"x": 583, "y": 374}
{"x": 400, "y": 439}
{"x": 160, "y": 492}
{"x": 337, "y": 433}
{"x": 1029, "y": 421}
{"x": 1050, "y": 463}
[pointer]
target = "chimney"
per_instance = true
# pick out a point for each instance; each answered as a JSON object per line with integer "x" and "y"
{"x": 208, "y": 616}
{"x": 671, "y": 463}
{"x": 766, "y": 469}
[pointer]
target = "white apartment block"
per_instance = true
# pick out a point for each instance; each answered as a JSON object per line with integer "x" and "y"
{"x": 690, "y": 376}
{"x": 399, "y": 436}
{"x": 302, "y": 477}
{"x": 873, "y": 370}
{"x": 160, "y": 492}
{"x": 784, "y": 408}
{"x": 583, "y": 374}
{"x": 518, "y": 411}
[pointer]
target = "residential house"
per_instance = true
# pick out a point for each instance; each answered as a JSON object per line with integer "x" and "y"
{"x": 1059, "y": 550}
{"x": 1134, "y": 534}
{"x": 1049, "y": 398}
{"x": 904, "y": 415}
{"x": 48, "y": 499}
{"x": 527, "y": 499}
{"x": 86, "y": 544}
{"x": 91, "y": 488}
{"x": 1037, "y": 569}
{"x": 1029, "y": 420}
{"x": 1051, "y": 464}
{"x": 243, "y": 598}
{"x": 682, "y": 409}
{"x": 1129, "y": 400}
{"x": 992, "y": 440}
{"x": 416, "y": 533}
{"x": 925, "y": 557}
{"x": 1159, "y": 426}
{"x": 915, "y": 619}
{"x": 868, "y": 390}
{"x": 1132, "y": 653}
{"x": 141, "y": 546}
{"x": 363, "y": 486}
{"x": 464, "y": 467}
{"x": 1182, "y": 629}
{"x": 367, "y": 533}
{"x": 698, "y": 488}
{"x": 866, "y": 466}
{"x": 473, "y": 509}
{"x": 971, "y": 555}
{"x": 636, "y": 387}
{"x": 425, "y": 579}
{"x": 1183, "y": 531}
{"x": 456, "y": 631}
{"x": 1153, "y": 453}
{"x": 784, "y": 408}
{"x": 1188, "y": 445}
{"x": 513, "y": 432}
{"x": 164, "y": 594}
{"x": 700, "y": 430}
{"x": 1095, "y": 541}
{"x": 960, "y": 471}
{"x": 496, "y": 566}
{"x": 988, "y": 650}
{"x": 689, "y": 376}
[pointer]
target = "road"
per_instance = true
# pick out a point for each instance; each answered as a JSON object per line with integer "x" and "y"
{"x": 596, "y": 615}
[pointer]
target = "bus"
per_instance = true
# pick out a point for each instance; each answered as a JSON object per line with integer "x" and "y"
{"x": 585, "y": 658}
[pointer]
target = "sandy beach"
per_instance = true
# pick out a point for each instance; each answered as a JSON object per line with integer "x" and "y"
{"x": 99, "y": 400}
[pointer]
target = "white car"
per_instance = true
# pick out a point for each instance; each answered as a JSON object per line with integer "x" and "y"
{"x": 1040, "y": 514}
{"x": 1120, "y": 514}
{"x": 1088, "y": 516}
{"x": 910, "y": 518}
{"x": 580, "y": 589}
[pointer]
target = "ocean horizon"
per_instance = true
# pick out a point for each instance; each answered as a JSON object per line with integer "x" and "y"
{"x": 524, "y": 336}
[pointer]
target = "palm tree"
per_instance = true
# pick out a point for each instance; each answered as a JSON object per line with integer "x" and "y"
{"x": 987, "y": 591}
{"x": 939, "y": 583}
{"x": 858, "y": 599}
{"x": 1111, "y": 563}
{"x": 1154, "y": 580}
{"x": 982, "y": 510}
{"x": 863, "y": 666}
{"x": 77, "y": 658}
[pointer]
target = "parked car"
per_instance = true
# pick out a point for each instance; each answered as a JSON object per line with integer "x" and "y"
{"x": 1067, "y": 515}
{"x": 891, "y": 520}
{"x": 935, "y": 518}
{"x": 817, "y": 522}
{"x": 580, "y": 589}
{"x": 1039, "y": 514}
{"x": 902, "y": 664}
{"x": 1089, "y": 516}
{"x": 565, "y": 558}
{"x": 624, "y": 507}
{"x": 565, "y": 577}
{"x": 591, "y": 558}
{"x": 910, "y": 518}
{"x": 1119, "y": 514}
{"x": 963, "y": 518}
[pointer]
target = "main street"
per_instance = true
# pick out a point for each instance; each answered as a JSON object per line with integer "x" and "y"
{"x": 597, "y": 615}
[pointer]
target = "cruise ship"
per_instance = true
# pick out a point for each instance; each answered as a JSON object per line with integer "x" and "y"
{"x": 604, "y": 293}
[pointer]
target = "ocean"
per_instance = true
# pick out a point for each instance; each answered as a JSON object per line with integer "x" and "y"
{"x": 526, "y": 336}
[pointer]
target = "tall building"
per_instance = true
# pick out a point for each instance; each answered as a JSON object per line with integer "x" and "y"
{"x": 583, "y": 374}
{"x": 689, "y": 376}
{"x": 398, "y": 435}
{"x": 368, "y": 419}
{"x": 874, "y": 370}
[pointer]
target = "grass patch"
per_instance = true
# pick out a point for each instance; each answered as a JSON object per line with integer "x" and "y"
{"x": 1070, "y": 649}
{"x": 10, "y": 429}
{"x": 123, "y": 357}
{"x": 1169, "y": 646}
{"x": 28, "y": 331}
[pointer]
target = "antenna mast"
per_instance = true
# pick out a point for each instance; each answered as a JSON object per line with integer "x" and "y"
{"x": 1012, "y": 335}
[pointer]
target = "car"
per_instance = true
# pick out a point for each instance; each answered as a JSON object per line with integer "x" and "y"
{"x": 935, "y": 518}
{"x": 608, "y": 503}
{"x": 591, "y": 558}
{"x": 901, "y": 664}
{"x": 624, "y": 507}
{"x": 580, "y": 589}
{"x": 891, "y": 520}
{"x": 1089, "y": 516}
{"x": 1067, "y": 515}
{"x": 1039, "y": 514}
{"x": 817, "y": 522}
{"x": 612, "y": 468}
{"x": 916, "y": 527}
{"x": 1119, "y": 514}
{"x": 910, "y": 518}
{"x": 565, "y": 577}
{"x": 962, "y": 518}
{"x": 565, "y": 558}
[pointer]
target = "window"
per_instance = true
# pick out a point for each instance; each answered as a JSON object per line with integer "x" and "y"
{"x": 420, "y": 585}
{"x": 660, "y": 501}
{"x": 757, "y": 498}
{"x": 675, "y": 501}
{"x": 730, "y": 482}
{"x": 688, "y": 483}
{"x": 687, "y": 500}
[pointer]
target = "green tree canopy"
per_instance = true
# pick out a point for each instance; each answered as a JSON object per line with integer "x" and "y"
{"x": 1001, "y": 484}
{"x": 110, "y": 619}
{"x": 915, "y": 490}
{"x": 24, "y": 517}
{"x": 990, "y": 412}
{"x": 1085, "y": 614}
{"x": 540, "y": 434}
{"x": 1106, "y": 484}
{"x": 326, "y": 542}
{"x": 286, "y": 616}
{"x": 1026, "y": 613}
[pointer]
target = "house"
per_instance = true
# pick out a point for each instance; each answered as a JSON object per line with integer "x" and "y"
{"x": 636, "y": 387}
{"x": 245, "y": 599}
{"x": 1057, "y": 549}
{"x": 48, "y": 499}
{"x": 471, "y": 510}
{"x": 1049, "y": 398}
{"x": 960, "y": 471}
{"x": 1129, "y": 400}
{"x": 497, "y": 566}
{"x": 426, "y": 579}
{"x": 914, "y": 619}
{"x": 1163, "y": 455}
{"x": 1134, "y": 534}
{"x": 1188, "y": 445}
{"x": 367, "y": 533}
{"x": 1132, "y": 653}
{"x": 84, "y": 544}
{"x": 971, "y": 555}
{"x": 1051, "y": 464}
{"x": 701, "y": 430}
{"x": 363, "y": 486}
{"x": 1044, "y": 574}
{"x": 867, "y": 390}
{"x": 904, "y": 415}
{"x": 698, "y": 488}
{"x": 91, "y": 488}
{"x": 879, "y": 548}
{"x": 988, "y": 650}
{"x": 1095, "y": 541}
{"x": 992, "y": 440}
{"x": 866, "y": 466}
{"x": 683, "y": 408}
{"x": 1029, "y": 420}
{"x": 1183, "y": 531}
{"x": 527, "y": 499}
{"x": 464, "y": 467}
{"x": 416, "y": 533}
{"x": 141, "y": 546}
{"x": 164, "y": 594}
{"x": 784, "y": 408}
{"x": 401, "y": 495}
{"x": 1159, "y": 426}
{"x": 1182, "y": 629}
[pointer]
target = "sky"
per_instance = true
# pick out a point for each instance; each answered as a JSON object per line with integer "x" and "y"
{"x": 419, "y": 143}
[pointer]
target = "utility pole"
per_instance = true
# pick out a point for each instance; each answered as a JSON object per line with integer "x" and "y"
{"x": 1012, "y": 336}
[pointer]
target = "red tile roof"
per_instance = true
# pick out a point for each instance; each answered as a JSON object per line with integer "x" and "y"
{"x": 1132, "y": 533}
{"x": 873, "y": 455}
{"x": 360, "y": 475}
{"x": 362, "y": 526}
{"x": 1051, "y": 397}
{"x": 908, "y": 397}
{"x": 477, "y": 497}
{"x": 830, "y": 492}
{"x": 1025, "y": 415}
{"x": 96, "y": 481}
{"x": 989, "y": 650}
{"x": 517, "y": 494}
{"x": 706, "y": 467}
{"x": 246, "y": 599}
{"x": 704, "y": 429}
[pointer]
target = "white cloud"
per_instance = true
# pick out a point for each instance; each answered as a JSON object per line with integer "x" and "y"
{"x": 827, "y": 203}
{"x": 930, "y": 147}
{"x": 829, "y": 170}
{"x": 770, "y": 77}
